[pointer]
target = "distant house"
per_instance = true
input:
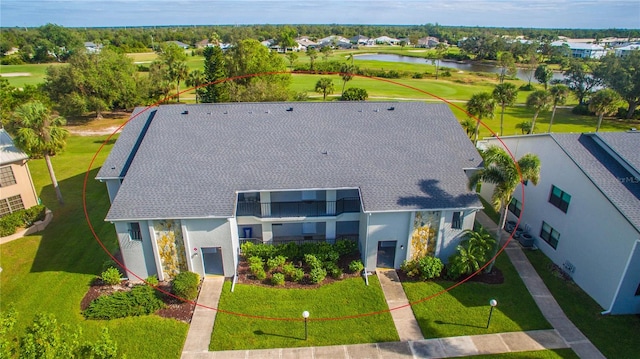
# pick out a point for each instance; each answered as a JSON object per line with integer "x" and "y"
{"x": 583, "y": 50}
{"x": 203, "y": 43}
{"x": 16, "y": 187}
{"x": 180, "y": 44}
{"x": 188, "y": 184}
{"x": 304, "y": 43}
{"x": 386, "y": 40}
{"x": 333, "y": 40}
{"x": 428, "y": 42}
{"x": 360, "y": 40}
{"x": 92, "y": 48}
{"x": 626, "y": 50}
{"x": 584, "y": 214}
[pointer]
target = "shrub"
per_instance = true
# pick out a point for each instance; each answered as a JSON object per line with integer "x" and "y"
{"x": 258, "y": 272}
{"x": 21, "y": 218}
{"x": 273, "y": 263}
{"x": 582, "y": 109}
{"x": 354, "y": 94}
{"x": 423, "y": 268}
{"x": 277, "y": 279}
{"x": 141, "y": 300}
{"x": 255, "y": 261}
{"x": 345, "y": 248}
{"x": 333, "y": 270}
{"x": 185, "y": 285}
{"x": 356, "y": 266}
{"x": 111, "y": 276}
{"x": 317, "y": 275}
{"x": 312, "y": 261}
{"x": 153, "y": 281}
{"x": 297, "y": 275}
{"x": 417, "y": 75}
{"x": 263, "y": 251}
{"x": 527, "y": 87}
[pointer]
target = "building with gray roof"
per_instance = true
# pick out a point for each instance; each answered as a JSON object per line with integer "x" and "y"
{"x": 584, "y": 214}
{"x": 189, "y": 183}
{"x": 16, "y": 186}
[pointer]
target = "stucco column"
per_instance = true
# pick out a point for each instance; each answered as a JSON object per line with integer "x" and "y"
{"x": 330, "y": 230}
{"x": 156, "y": 254}
{"x": 267, "y": 232}
{"x": 265, "y": 204}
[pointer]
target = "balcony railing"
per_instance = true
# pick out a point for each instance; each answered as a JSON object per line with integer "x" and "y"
{"x": 298, "y": 209}
{"x": 299, "y": 240}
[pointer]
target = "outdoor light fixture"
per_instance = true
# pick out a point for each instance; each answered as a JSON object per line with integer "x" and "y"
{"x": 493, "y": 303}
{"x": 305, "y": 315}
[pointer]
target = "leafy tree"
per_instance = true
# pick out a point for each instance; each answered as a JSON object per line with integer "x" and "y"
{"x": 507, "y": 65}
{"x": 543, "y": 74}
{"x": 286, "y": 38}
{"x": 8, "y": 318}
{"x": 472, "y": 253}
{"x": 501, "y": 171}
{"x": 40, "y": 134}
{"x": 249, "y": 57}
{"x": 532, "y": 61}
{"x": 174, "y": 60}
{"x": 313, "y": 55}
{"x": 481, "y": 105}
{"x": 93, "y": 82}
{"x": 326, "y": 51}
{"x": 622, "y": 74}
{"x": 436, "y": 55}
{"x": 484, "y": 46}
{"x": 579, "y": 79}
{"x": 215, "y": 70}
{"x": 196, "y": 78}
{"x": 324, "y": 86}
{"x": 526, "y": 127}
{"x": 505, "y": 94}
{"x": 45, "y": 338}
{"x": 559, "y": 95}
{"x": 539, "y": 100}
{"x": 354, "y": 94}
{"x": 603, "y": 102}
{"x": 57, "y": 41}
{"x": 292, "y": 57}
{"x": 346, "y": 72}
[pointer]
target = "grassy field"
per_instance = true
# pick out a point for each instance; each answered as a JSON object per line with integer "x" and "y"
{"x": 541, "y": 354}
{"x": 345, "y": 298}
{"x": 50, "y": 272}
{"x": 611, "y": 334}
{"x": 36, "y": 73}
{"x": 464, "y": 310}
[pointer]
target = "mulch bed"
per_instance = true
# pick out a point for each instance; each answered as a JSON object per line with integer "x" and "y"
{"x": 175, "y": 309}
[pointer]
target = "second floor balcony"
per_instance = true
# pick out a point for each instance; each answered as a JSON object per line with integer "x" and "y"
{"x": 298, "y": 209}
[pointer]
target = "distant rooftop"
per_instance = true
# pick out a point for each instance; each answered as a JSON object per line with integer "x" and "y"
{"x": 9, "y": 153}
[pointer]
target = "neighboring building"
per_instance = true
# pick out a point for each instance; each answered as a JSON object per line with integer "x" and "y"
{"x": 189, "y": 183}
{"x": 386, "y": 40}
{"x": 92, "y": 48}
{"x": 583, "y": 50}
{"x": 204, "y": 43}
{"x": 584, "y": 214}
{"x": 626, "y": 50}
{"x": 16, "y": 187}
{"x": 304, "y": 42}
{"x": 360, "y": 40}
{"x": 334, "y": 41}
{"x": 180, "y": 44}
{"x": 428, "y": 41}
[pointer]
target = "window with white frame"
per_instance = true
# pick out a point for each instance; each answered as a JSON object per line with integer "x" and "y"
{"x": 134, "y": 231}
{"x": 515, "y": 207}
{"x": 6, "y": 176}
{"x": 456, "y": 220}
{"x": 549, "y": 235}
{"x": 559, "y": 198}
{"x": 10, "y": 204}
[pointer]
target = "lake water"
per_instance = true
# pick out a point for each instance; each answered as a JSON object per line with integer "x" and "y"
{"x": 523, "y": 74}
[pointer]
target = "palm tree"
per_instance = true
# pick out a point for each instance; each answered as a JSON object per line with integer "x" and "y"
{"x": 324, "y": 86}
{"x": 604, "y": 102}
{"x": 196, "y": 78}
{"x": 468, "y": 124}
{"x": 505, "y": 94}
{"x": 538, "y": 101}
{"x": 501, "y": 171}
{"x": 481, "y": 105}
{"x": 346, "y": 72}
{"x": 559, "y": 95}
{"x": 39, "y": 133}
{"x": 178, "y": 71}
{"x": 473, "y": 252}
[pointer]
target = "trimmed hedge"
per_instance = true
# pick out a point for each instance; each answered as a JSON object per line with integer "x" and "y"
{"x": 21, "y": 218}
{"x": 185, "y": 285}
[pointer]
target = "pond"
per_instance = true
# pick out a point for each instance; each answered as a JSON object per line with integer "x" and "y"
{"x": 523, "y": 74}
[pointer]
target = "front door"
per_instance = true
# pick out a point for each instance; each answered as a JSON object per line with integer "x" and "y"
{"x": 386, "y": 254}
{"x": 212, "y": 260}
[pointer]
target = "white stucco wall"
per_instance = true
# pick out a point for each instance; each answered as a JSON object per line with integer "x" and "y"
{"x": 387, "y": 227}
{"x": 199, "y": 233}
{"x": 594, "y": 237}
{"x": 113, "y": 185}
{"x": 138, "y": 255}
{"x": 449, "y": 238}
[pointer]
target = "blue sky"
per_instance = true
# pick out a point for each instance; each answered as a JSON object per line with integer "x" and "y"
{"x": 495, "y": 13}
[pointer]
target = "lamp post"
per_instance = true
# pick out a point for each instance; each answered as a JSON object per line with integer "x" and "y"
{"x": 493, "y": 304}
{"x": 305, "y": 315}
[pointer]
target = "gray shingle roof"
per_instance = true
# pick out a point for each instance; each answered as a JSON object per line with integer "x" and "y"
{"x": 611, "y": 177}
{"x": 9, "y": 153}
{"x": 625, "y": 144}
{"x": 191, "y": 165}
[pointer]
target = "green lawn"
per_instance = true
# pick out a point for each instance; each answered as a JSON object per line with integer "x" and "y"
{"x": 350, "y": 297}
{"x": 615, "y": 335}
{"x": 51, "y": 271}
{"x": 464, "y": 310}
{"x": 37, "y": 73}
{"x": 540, "y": 354}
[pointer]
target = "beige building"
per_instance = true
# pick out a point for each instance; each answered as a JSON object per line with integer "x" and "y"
{"x": 16, "y": 187}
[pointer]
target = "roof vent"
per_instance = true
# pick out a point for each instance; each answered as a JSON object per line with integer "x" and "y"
{"x": 290, "y": 109}
{"x": 226, "y": 112}
{"x": 185, "y": 112}
{"x": 376, "y": 110}
{"x": 360, "y": 110}
{"x": 391, "y": 108}
{"x": 324, "y": 152}
{"x": 633, "y": 129}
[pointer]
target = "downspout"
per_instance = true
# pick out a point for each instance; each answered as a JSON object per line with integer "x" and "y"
{"x": 626, "y": 269}
{"x": 366, "y": 258}
{"x": 235, "y": 275}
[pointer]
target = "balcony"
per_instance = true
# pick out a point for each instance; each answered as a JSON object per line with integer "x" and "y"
{"x": 299, "y": 240}
{"x": 298, "y": 209}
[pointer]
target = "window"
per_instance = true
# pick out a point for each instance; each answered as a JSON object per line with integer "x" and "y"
{"x": 6, "y": 176}
{"x": 638, "y": 290}
{"x": 559, "y": 198}
{"x": 10, "y": 205}
{"x": 549, "y": 235}
{"x": 515, "y": 207}
{"x": 456, "y": 221}
{"x": 134, "y": 231}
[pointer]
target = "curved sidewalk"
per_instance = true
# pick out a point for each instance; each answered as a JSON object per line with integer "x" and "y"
{"x": 549, "y": 307}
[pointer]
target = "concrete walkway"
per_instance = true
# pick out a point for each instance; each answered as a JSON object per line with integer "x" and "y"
{"x": 199, "y": 335}
{"x": 403, "y": 318}
{"x": 543, "y": 298}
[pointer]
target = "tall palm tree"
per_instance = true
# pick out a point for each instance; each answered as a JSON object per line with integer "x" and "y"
{"x": 178, "y": 71}
{"x": 468, "y": 124}
{"x": 481, "y": 105}
{"x": 559, "y": 95}
{"x": 196, "y": 78}
{"x": 473, "y": 252}
{"x": 603, "y": 102}
{"x": 40, "y": 134}
{"x": 505, "y": 94}
{"x": 501, "y": 171}
{"x": 538, "y": 101}
{"x": 324, "y": 86}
